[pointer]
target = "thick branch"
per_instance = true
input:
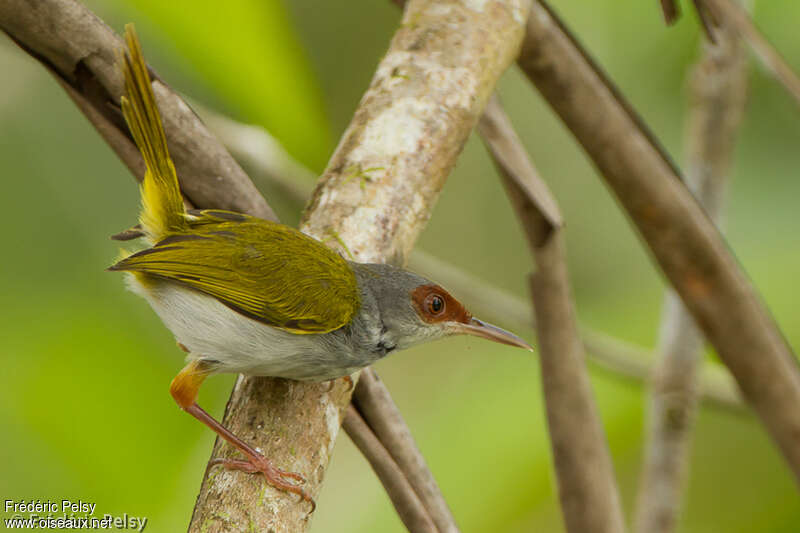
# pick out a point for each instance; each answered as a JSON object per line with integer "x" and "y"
{"x": 371, "y": 203}
{"x": 717, "y": 98}
{"x": 257, "y": 149}
{"x": 586, "y": 484}
{"x": 689, "y": 249}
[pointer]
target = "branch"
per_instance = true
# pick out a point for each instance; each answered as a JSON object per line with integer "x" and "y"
{"x": 586, "y": 485}
{"x": 734, "y": 16}
{"x": 614, "y": 355}
{"x": 371, "y": 203}
{"x": 257, "y": 149}
{"x": 705, "y": 19}
{"x": 373, "y": 400}
{"x": 405, "y": 500}
{"x": 688, "y": 248}
{"x": 717, "y": 100}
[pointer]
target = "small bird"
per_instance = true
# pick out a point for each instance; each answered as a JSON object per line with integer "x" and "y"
{"x": 250, "y": 296}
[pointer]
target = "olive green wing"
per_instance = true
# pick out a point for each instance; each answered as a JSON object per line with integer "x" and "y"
{"x": 264, "y": 270}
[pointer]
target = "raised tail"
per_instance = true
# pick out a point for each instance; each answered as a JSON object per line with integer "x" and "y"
{"x": 163, "y": 212}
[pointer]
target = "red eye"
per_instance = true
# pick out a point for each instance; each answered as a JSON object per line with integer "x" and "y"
{"x": 435, "y": 304}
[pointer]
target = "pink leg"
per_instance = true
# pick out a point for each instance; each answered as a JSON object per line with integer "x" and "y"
{"x": 255, "y": 461}
{"x": 184, "y": 389}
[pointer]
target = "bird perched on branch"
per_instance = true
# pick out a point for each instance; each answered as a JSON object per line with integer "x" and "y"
{"x": 250, "y": 296}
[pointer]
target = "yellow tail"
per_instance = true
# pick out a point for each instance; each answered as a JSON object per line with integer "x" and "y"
{"x": 162, "y": 205}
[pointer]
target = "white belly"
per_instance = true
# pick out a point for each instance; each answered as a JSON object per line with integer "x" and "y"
{"x": 212, "y": 331}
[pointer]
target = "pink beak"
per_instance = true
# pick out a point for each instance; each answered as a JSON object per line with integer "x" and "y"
{"x": 479, "y": 328}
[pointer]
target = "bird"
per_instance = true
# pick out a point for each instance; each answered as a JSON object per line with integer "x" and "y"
{"x": 256, "y": 297}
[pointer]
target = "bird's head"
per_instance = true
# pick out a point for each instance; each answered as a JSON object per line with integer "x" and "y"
{"x": 415, "y": 310}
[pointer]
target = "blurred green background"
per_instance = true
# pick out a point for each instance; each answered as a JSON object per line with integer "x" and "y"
{"x": 84, "y": 405}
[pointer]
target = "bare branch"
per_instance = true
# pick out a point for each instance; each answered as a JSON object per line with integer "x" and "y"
{"x": 705, "y": 19}
{"x": 689, "y": 249}
{"x": 375, "y": 403}
{"x": 405, "y": 500}
{"x": 717, "y": 99}
{"x": 587, "y": 488}
{"x": 427, "y": 92}
{"x": 257, "y": 149}
{"x": 731, "y": 13}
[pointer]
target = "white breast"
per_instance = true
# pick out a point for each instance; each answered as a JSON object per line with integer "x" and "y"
{"x": 212, "y": 331}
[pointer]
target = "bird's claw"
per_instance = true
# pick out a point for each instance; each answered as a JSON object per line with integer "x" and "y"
{"x": 275, "y": 476}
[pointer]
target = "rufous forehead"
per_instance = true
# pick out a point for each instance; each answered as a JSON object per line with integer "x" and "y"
{"x": 454, "y": 311}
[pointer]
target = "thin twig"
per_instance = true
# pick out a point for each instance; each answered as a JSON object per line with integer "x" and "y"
{"x": 705, "y": 19}
{"x": 717, "y": 99}
{"x": 731, "y": 13}
{"x": 690, "y": 251}
{"x": 375, "y": 403}
{"x": 586, "y": 483}
{"x": 609, "y": 353}
{"x": 405, "y": 500}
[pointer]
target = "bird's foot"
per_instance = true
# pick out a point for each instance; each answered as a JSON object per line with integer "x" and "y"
{"x": 276, "y": 477}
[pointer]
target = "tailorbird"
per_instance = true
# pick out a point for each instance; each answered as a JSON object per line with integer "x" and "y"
{"x": 255, "y": 297}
